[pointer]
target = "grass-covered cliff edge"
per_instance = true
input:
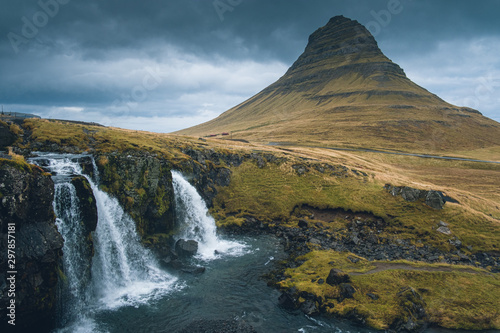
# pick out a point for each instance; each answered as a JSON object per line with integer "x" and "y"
{"x": 407, "y": 261}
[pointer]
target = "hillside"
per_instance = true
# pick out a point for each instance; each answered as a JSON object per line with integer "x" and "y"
{"x": 343, "y": 91}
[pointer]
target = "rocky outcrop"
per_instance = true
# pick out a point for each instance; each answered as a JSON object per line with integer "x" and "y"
{"x": 186, "y": 248}
{"x": 87, "y": 202}
{"x": 26, "y": 213}
{"x": 433, "y": 199}
{"x": 143, "y": 185}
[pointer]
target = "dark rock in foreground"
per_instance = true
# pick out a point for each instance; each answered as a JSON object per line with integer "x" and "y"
{"x": 186, "y": 248}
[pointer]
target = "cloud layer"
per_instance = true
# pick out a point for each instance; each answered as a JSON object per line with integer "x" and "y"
{"x": 166, "y": 65}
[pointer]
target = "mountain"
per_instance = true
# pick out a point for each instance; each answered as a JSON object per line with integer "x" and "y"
{"x": 343, "y": 91}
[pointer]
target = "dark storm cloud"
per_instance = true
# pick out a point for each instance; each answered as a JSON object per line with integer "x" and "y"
{"x": 96, "y": 57}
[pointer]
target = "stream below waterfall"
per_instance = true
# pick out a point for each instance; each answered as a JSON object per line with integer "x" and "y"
{"x": 129, "y": 291}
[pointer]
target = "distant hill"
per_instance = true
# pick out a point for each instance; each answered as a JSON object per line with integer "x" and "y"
{"x": 343, "y": 91}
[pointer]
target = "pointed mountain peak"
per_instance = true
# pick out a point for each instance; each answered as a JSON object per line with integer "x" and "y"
{"x": 344, "y": 42}
{"x": 343, "y": 91}
{"x": 343, "y": 35}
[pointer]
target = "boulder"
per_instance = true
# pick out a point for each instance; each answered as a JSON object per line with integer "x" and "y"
{"x": 336, "y": 277}
{"x": 193, "y": 269}
{"x": 435, "y": 199}
{"x": 186, "y": 248}
{"x": 444, "y": 230}
{"x": 346, "y": 291}
{"x": 411, "y": 194}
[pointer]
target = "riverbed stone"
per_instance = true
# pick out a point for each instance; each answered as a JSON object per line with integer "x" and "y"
{"x": 309, "y": 308}
{"x": 186, "y": 248}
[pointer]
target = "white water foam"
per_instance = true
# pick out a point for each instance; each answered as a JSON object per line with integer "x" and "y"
{"x": 196, "y": 223}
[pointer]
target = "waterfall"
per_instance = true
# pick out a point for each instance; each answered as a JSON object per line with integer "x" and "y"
{"x": 75, "y": 264}
{"x": 123, "y": 272}
{"x": 196, "y": 223}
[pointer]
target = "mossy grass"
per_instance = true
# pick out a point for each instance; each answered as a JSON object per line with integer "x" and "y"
{"x": 271, "y": 193}
{"x": 18, "y": 161}
{"x": 453, "y": 298}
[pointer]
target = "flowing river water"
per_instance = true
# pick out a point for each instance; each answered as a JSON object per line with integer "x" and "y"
{"x": 128, "y": 290}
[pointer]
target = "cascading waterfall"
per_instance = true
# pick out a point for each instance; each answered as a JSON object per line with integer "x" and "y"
{"x": 123, "y": 272}
{"x": 76, "y": 266}
{"x": 197, "y": 224}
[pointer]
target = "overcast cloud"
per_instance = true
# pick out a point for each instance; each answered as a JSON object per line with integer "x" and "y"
{"x": 167, "y": 65}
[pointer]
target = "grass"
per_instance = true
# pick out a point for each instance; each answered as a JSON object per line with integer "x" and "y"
{"x": 254, "y": 191}
{"x": 106, "y": 139}
{"x": 453, "y": 299}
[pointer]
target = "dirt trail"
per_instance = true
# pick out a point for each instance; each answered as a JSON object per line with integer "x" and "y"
{"x": 383, "y": 266}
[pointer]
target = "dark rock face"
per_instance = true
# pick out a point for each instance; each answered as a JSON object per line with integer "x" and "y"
{"x": 26, "y": 207}
{"x": 88, "y": 207}
{"x": 186, "y": 248}
{"x": 88, "y": 211}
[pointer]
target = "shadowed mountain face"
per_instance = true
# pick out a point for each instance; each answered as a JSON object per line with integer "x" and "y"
{"x": 343, "y": 91}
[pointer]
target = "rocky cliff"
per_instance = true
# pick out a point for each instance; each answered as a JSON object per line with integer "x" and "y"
{"x": 143, "y": 185}
{"x": 27, "y": 228}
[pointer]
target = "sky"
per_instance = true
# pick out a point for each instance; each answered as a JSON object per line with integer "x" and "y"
{"x": 165, "y": 65}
